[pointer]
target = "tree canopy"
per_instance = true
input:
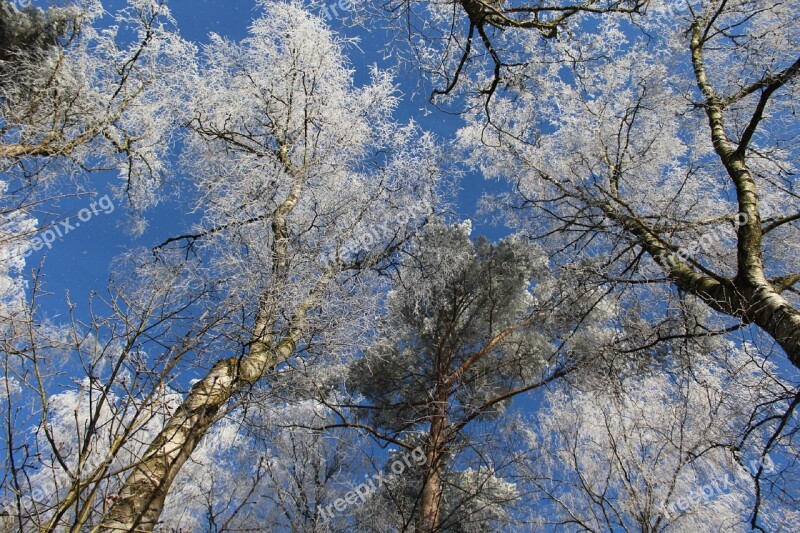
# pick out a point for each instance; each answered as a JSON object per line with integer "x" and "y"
{"x": 320, "y": 340}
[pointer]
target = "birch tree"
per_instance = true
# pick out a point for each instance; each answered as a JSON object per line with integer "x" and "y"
{"x": 661, "y": 451}
{"x": 81, "y": 403}
{"x": 666, "y": 151}
{"x": 76, "y": 96}
{"x": 306, "y": 182}
{"x": 83, "y": 398}
{"x": 664, "y": 154}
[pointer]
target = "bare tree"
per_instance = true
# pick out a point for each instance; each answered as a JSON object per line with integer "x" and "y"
{"x": 307, "y": 184}
{"x": 75, "y": 97}
{"x": 475, "y": 47}
{"x": 81, "y": 400}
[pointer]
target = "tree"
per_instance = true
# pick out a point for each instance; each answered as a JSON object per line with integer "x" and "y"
{"x": 468, "y": 327}
{"x": 83, "y": 399}
{"x": 202, "y": 381}
{"x": 76, "y": 98}
{"x": 72, "y": 439}
{"x": 665, "y": 148}
{"x": 659, "y": 451}
{"x": 661, "y": 152}
{"x": 306, "y": 183}
{"x": 474, "y": 47}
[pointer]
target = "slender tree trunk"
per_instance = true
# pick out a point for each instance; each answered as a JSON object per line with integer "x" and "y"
{"x": 141, "y": 500}
{"x": 431, "y": 498}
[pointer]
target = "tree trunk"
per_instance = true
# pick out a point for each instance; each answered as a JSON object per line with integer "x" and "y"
{"x": 431, "y": 498}
{"x": 750, "y": 296}
{"x": 141, "y": 500}
{"x": 764, "y": 306}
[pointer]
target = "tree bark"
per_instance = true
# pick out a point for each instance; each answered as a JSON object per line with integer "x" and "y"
{"x": 141, "y": 500}
{"x": 764, "y": 306}
{"x": 431, "y": 497}
{"x": 749, "y": 296}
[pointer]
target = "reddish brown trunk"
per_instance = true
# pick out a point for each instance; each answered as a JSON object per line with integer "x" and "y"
{"x": 431, "y": 499}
